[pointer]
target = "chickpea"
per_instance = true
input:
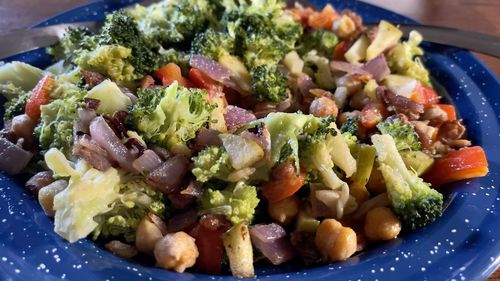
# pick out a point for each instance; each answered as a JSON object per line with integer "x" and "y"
{"x": 381, "y": 224}
{"x": 334, "y": 241}
{"x": 146, "y": 235}
{"x": 176, "y": 251}
{"x": 323, "y": 107}
{"x": 284, "y": 211}
{"x": 47, "y": 193}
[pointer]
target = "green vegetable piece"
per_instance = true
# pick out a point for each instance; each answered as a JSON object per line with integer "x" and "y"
{"x": 318, "y": 67}
{"x": 403, "y": 59}
{"x": 357, "y": 52}
{"x": 387, "y": 36}
{"x": 111, "y": 98}
{"x": 170, "y": 116}
{"x": 213, "y": 44}
{"x": 403, "y": 133}
{"x": 90, "y": 193}
{"x": 239, "y": 250}
{"x": 137, "y": 199}
{"x": 412, "y": 199}
{"x": 110, "y": 60}
{"x": 242, "y": 152}
{"x": 55, "y": 129}
{"x": 212, "y": 162}
{"x": 269, "y": 84}
{"x": 20, "y": 74}
{"x": 417, "y": 161}
{"x": 306, "y": 222}
{"x": 237, "y": 202}
{"x": 74, "y": 41}
{"x": 169, "y": 22}
{"x": 365, "y": 160}
{"x": 17, "y": 102}
{"x": 321, "y": 40}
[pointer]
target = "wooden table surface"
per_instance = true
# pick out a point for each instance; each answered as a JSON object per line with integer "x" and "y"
{"x": 475, "y": 15}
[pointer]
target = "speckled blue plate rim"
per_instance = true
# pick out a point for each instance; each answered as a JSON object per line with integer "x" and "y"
{"x": 461, "y": 245}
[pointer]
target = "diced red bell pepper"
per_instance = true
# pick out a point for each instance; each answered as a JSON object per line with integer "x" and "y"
{"x": 425, "y": 95}
{"x": 284, "y": 183}
{"x": 171, "y": 72}
{"x": 466, "y": 163}
{"x": 39, "y": 96}
{"x": 340, "y": 50}
{"x": 450, "y": 111}
{"x": 210, "y": 247}
{"x": 323, "y": 19}
{"x": 201, "y": 80}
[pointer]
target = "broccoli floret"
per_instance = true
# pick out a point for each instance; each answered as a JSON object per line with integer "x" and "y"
{"x": 212, "y": 162}
{"x": 16, "y": 104}
{"x": 412, "y": 199}
{"x": 213, "y": 44}
{"x": 55, "y": 129}
{"x": 326, "y": 148}
{"x": 320, "y": 152}
{"x": 269, "y": 84}
{"x": 285, "y": 130}
{"x": 111, "y": 60}
{"x": 137, "y": 199}
{"x": 404, "y": 134}
{"x": 351, "y": 125}
{"x": 121, "y": 29}
{"x": 74, "y": 40}
{"x": 168, "y": 22}
{"x": 264, "y": 33}
{"x": 403, "y": 59}
{"x": 321, "y": 40}
{"x": 170, "y": 116}
{"x": 318, "y": 67}
{"x": 236, "y": 202}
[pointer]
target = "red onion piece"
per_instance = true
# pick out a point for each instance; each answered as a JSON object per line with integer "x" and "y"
{"x": 270, "y": 240}
{"x": 211, "y": 68}
{"x": 14, "y": 158}
{"x": 182, "y": 221}
{"x": 207, "y": 137}
{"x": 147, "y": 162}
{"x": 349, "y": 68}
{"x": 194, "y": 189}
{"x": 236, "y": 117}
{"x": 377, "y": 67}
{"x": 106, "y": 138}
{"x": 169, "y": 175}
{"x": 161, "y": 151}
{"x": 91, "y": 152}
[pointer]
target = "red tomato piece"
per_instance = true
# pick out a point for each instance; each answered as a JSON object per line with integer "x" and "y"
{"x": 39, "y": 96}
{"x": 171, "y": 72}
{"x": 284, "y": 183}
{"x": 466, "y": 163}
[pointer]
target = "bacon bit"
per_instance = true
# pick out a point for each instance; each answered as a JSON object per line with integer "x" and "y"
{"x": 400, "y": 103}
{"x": 147, "y": 82}
{"x": 92, "y": 78}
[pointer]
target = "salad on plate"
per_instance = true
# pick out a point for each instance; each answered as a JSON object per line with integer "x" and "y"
{"x": 214, "y": 135}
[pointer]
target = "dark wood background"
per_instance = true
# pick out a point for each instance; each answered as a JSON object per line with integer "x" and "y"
{"x": 475, "y": 15}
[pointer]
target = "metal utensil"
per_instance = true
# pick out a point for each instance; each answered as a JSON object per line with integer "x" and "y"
{"x": 470, "y": 40}
{"x": 27, "y": 40}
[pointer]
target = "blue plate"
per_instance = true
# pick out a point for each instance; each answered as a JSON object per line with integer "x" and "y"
{"x": 462, "y": 244}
